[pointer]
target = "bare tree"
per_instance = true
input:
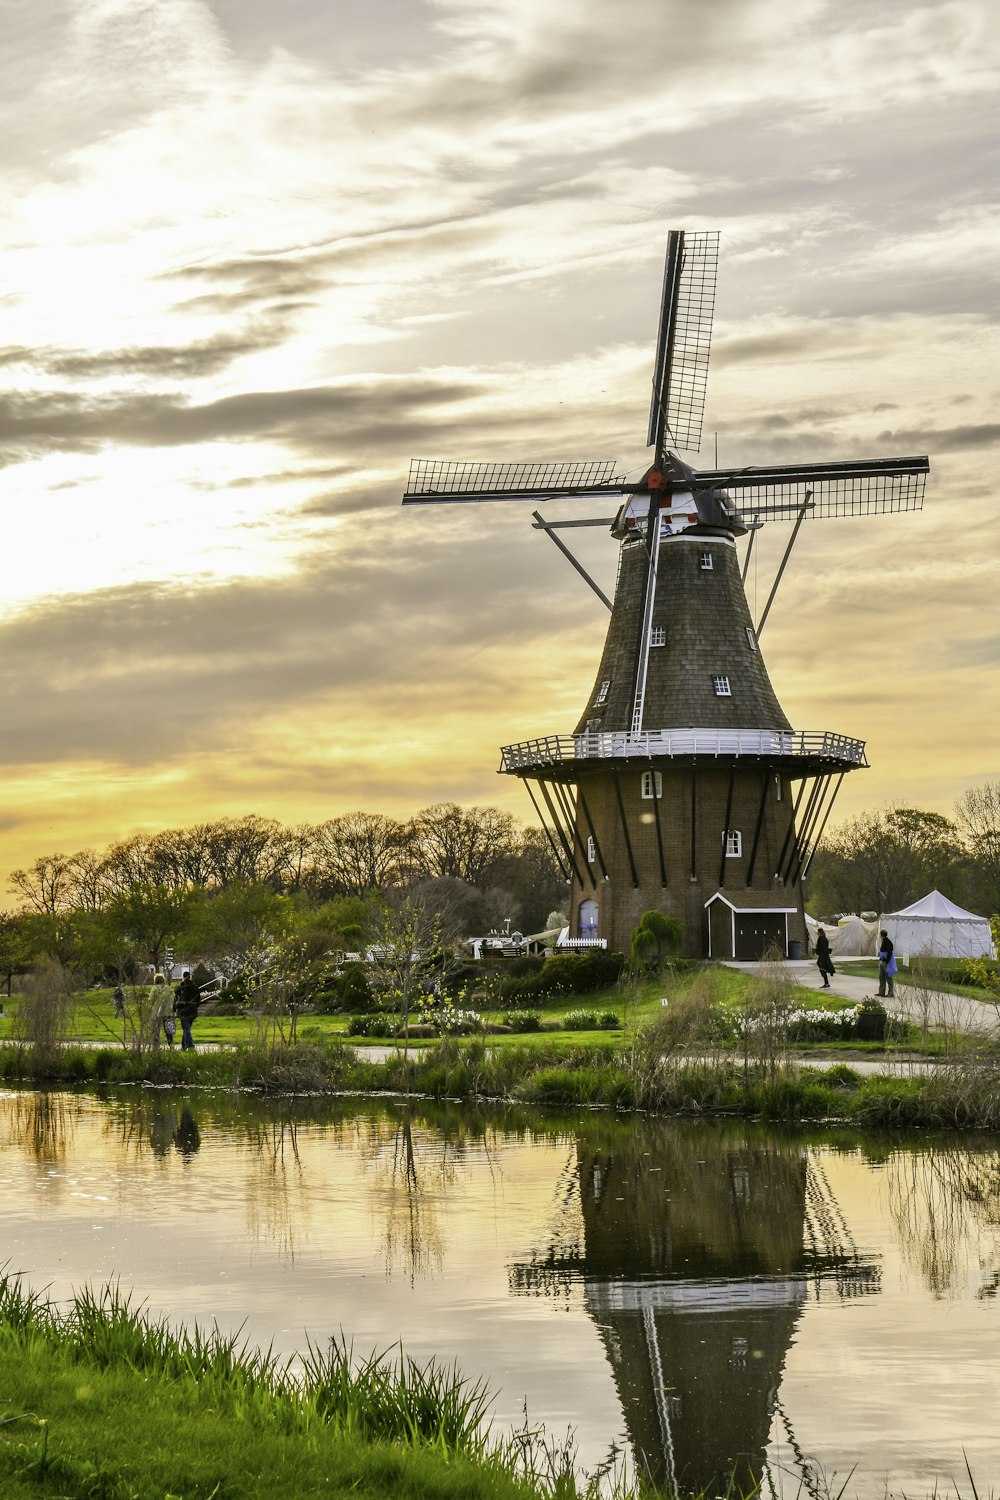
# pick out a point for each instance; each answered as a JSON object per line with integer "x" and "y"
{"x": 129, "y": 863}
{"x": 883, "y": 859}
{"x": 359, "y": 852}
{"x": 978, "y": 814}
{"x": 410, "y": 948}
{"x": 466, "y": 843}
{"x": 87, "y": 881}
{"x": 47, "y": 885}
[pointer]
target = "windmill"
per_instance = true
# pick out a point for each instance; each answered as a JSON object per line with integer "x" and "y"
{"x": 683, "y": 787}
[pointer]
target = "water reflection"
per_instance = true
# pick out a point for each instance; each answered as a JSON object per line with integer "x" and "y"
{"x": 696, "y": 1258}
{"x": 41, "y": 1124}
{"x": 677, "y": 1286}
{"x": 168, "y": 1129}
{"x": 937, "y": 1198}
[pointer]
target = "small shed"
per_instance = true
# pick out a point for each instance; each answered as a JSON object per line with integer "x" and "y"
{"x": 937, "y": 927}
{"x": 745, "y": 924}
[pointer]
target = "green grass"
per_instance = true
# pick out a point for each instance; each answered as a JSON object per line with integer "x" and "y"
{"x": 868, "y": 969}
{"x": 101, "y": 1402}
{"x": 93, "y": 1016}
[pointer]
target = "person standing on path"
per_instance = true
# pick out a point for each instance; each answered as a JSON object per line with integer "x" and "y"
{"x": 187, "y": 999}
{"x": 824, "y": 962}
{"x": 886, "y": 964}
{"x": 161, "y": 1000}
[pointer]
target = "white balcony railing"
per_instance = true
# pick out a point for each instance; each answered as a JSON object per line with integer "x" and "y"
{"x": 666, "y": 744}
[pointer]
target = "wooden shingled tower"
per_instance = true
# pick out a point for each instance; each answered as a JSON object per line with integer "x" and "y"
{"x": 683, "y": 787}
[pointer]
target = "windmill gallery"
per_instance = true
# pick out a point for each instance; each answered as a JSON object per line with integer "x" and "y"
{"x": 683, "y": 787}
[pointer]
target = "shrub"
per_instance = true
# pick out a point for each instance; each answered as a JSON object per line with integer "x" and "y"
{"x": 530, "y": 963}
{"x": 840, "y": 1076}
{"x": 377, "y": 1024}
{"x": 608, "y": 1020}
{"x": 581, "y": 973}
{"x": 523, "y": 1020}
{"x": 580, "y": 1020}
{"x": 526, "y": 990}
{"x": 348, "y": 990}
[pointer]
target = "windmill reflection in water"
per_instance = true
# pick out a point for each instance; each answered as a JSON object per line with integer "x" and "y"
{"x": 695, "y": 1267}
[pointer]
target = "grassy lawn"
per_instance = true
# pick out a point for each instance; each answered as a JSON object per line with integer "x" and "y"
{"x": 867, "y": 968}
{"x": 93, "y": 1016}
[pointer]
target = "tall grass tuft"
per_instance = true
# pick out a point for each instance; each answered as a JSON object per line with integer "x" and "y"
{"x": 397, "y": 1399}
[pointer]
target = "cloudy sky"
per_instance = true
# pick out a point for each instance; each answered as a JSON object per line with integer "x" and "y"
{"x": 256, "y": 255}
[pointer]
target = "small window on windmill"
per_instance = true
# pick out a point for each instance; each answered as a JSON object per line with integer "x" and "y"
{"x": 734, "y": 843}
{"x": 705, "y": 561}
{"x": 658, "y": 635}
{"x": 591, "y": 850}
{"x": 722, "y": 688}
{"x": 779, "y": 789}
{"x": 652, "y": 785}
{"x": 751, "y": 639}
{"x": 603, "y": 691}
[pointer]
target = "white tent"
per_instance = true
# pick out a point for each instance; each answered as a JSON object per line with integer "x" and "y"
{"x": 938, "y": 927}
{"x": 850, "y": 936}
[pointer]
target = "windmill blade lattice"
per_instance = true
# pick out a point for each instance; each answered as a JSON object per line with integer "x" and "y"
{"x": 440, "y": 482}
{"x": 864, "y": 488}
{"x": 684, "y": 341}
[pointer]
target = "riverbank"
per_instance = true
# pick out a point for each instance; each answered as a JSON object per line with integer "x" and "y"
{"x": 99, "y": 1401}
{"x": 652, "y": 1074}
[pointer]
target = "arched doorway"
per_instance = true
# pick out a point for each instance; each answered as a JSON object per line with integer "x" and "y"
{"x": 587, "y": 919}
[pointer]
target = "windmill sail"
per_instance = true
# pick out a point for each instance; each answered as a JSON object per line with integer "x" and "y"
{"x": 437, "y": 482}
{"x": 865, "y": 488}
{"x": 680, "y": 371}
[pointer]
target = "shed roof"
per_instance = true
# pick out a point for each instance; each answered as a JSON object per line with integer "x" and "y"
{"x": 752, "y": 900}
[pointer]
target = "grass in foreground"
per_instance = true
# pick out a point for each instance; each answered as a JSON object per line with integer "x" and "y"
{"x": 100, "y": 1401}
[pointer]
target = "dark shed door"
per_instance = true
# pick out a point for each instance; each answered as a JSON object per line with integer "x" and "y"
{"x": 757, "y": 930}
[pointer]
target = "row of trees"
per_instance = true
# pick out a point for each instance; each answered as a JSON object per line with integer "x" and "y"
{"x": 228, "y": 889}
{"x": 885, "y": 859}
{"x": 346, "y": 856}
{"x": 223, "y": 889}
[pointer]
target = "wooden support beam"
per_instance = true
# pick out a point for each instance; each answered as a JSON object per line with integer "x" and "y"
{"x": 625, "y": 832}
{"x": 805, "y": 835}
{"x": 659, "y": 833}
{"x": 725, "y": 826}
{"x": 563, "y": 867}
{"x": 571, "y": 823}
{"x": 593, "y": 831}
{"x": 567, "y": 847}
{"x": 760, "y": 824}
{"x": 788, "y": 847}
{"x": 816, "y": 841}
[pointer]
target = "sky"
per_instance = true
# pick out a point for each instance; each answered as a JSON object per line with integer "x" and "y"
{"x": 257, "y": 256}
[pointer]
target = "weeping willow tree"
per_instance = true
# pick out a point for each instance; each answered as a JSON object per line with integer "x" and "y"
{"x": 656, "y": 936}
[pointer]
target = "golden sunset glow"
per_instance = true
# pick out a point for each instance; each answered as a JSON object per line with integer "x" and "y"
{"x": 256, "y": 257}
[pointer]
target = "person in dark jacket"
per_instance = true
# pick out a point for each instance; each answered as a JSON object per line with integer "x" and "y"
{"x": 886, "y": 964}
{"x": 824, "y": 962}
{"x": 187, "y": 999}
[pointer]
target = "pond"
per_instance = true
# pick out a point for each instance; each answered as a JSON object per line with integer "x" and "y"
{"x": 701, "y": 1296}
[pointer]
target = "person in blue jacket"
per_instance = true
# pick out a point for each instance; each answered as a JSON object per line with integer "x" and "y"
{"x": 886, "y": 964}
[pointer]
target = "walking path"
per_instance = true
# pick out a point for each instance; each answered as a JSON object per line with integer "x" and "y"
{"x": 934, "y": 1008}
